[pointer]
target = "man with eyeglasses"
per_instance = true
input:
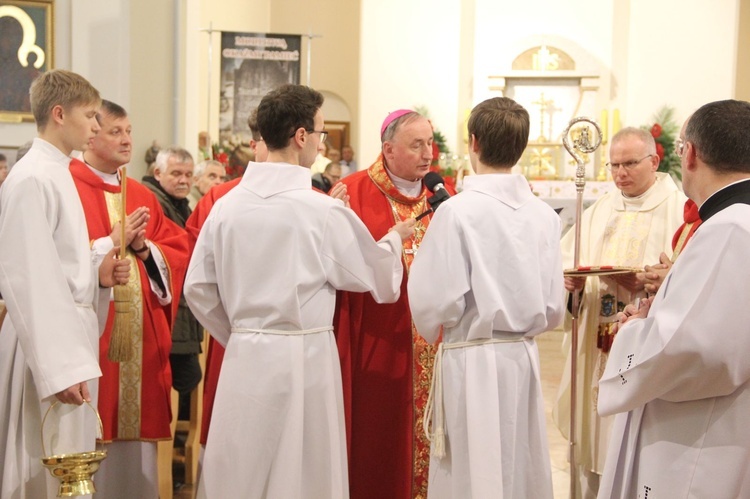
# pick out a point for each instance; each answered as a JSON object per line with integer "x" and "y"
{"x": 629, "y": 227}
{"x": 262, "y": 280}
{"x": 678, "y": 371}
{"x": 193, "y": 226}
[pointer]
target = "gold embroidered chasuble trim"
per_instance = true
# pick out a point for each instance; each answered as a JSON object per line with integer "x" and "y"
{"x": 625, "y": 238}
{"x": 624, "y": 244}
{"x": 130, "y": 385}
{"x": 423, "y": 353}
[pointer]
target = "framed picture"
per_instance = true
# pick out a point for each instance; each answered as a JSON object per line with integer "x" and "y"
{"x": 338, "y": 134}
{"x": 26, "y": 51}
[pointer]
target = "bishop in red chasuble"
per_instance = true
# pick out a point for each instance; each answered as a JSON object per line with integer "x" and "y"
{"x": 385, "y": 364}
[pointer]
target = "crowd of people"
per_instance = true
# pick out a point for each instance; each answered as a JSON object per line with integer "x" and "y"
{"x": 364, "y": 343}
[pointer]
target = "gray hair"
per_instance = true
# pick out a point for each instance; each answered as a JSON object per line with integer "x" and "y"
{"x": 200, "y": 168}
{"x": 644, "y": 135}
{"x": 180, "y": 154}
{"x": 390, "y": 130}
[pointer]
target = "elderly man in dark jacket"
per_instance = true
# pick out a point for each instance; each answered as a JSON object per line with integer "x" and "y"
{"x": 171, "y": 183}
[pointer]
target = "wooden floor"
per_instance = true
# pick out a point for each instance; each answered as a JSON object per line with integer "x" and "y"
{"x": 552, "y": 363}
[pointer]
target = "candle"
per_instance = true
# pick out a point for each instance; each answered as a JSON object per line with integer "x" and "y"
{"x": 603, "y": 121}
{"x": 616, "y": 121}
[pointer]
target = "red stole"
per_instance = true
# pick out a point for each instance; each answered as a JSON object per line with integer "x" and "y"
{"x": 150, "y": 413}
{"x": 692, "y": 221}
{"x": 386, "y": 365}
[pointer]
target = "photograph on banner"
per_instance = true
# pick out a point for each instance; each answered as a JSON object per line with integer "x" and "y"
{"x": 252, "y": 64}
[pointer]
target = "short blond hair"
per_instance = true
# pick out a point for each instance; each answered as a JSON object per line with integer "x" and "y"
{"x": 59, "y": 87}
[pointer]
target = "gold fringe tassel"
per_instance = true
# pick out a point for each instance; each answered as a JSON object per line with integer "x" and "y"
{"x": 121, "y": 348}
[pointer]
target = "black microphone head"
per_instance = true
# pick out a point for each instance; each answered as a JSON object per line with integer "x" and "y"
{"x": 432, "y": 179}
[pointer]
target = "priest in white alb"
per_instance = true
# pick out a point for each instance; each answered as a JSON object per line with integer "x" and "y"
{"x": 627, "y": 227}
{"x": 678, "y": 371}
{"x": 489, "y": 273}
{"x": 263, "y": 280}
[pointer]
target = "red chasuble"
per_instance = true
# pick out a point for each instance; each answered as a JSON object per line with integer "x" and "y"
{"x": 135, "y": 397}
{"x": 215, "y": 354}
{"x": 386, "y": 366}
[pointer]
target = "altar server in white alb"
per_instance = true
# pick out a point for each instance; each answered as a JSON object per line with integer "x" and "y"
{"x": 678, "y": 371}
{"x": 49, "y": 342}
{"x": 262, "y": 280}
{"x": 489, "y": 273}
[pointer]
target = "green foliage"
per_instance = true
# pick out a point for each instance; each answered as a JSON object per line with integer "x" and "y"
{"x": 665, "y": 130}
{"x": 438, "y": 137}
{"x": 440, "y": 141}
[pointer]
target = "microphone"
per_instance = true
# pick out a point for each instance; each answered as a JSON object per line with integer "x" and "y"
{"x": 434, "y": 182}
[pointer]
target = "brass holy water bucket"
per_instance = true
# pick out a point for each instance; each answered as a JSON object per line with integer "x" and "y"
{"x": 75, "y": 471}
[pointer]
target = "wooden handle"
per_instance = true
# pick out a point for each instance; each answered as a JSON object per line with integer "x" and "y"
{"x": 123, "y": 213}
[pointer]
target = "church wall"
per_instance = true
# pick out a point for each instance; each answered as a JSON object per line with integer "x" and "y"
{"x": 228, "y": 15}
{"x": 152, "y": 101}
{"x": 335, "y": 53}
{"x": 742, "y": 80}
{"x": 649, "y": 54}
{"x": 126, "y": 49}
{"x": 409, "y": 57}
{"x": 379, "y": 55}
{"x": 680, "y": 53}
{"x": 507, "y": 29}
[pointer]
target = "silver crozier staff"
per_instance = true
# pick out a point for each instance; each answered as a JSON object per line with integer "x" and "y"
{"x": 582, "y": 144}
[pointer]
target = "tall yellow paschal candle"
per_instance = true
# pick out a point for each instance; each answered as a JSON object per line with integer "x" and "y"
{"x": 603, "y": 122}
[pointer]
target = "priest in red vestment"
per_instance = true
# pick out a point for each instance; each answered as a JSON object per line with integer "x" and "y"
{"x": 134, "y": 396}
{"x": 385, "y": 364}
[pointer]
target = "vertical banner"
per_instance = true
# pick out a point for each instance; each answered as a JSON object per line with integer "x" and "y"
{"x": 252, "y": 64}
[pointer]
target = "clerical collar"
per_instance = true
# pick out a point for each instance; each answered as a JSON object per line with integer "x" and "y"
{"x": 633, "y": 203}
{"x": 736, "y": 192}
{"x": 108, "y": 178}
{"x": 411, "y": 188}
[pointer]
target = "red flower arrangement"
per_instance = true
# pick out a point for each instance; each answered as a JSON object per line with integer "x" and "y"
{"x": 664, "y": 130}
{"x": 233, "y": 155}
{"x": 660, "y": 151}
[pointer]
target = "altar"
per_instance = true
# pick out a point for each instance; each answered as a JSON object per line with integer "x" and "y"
{"x": 556, "y": 84}
{"x": 561, "y": 194}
